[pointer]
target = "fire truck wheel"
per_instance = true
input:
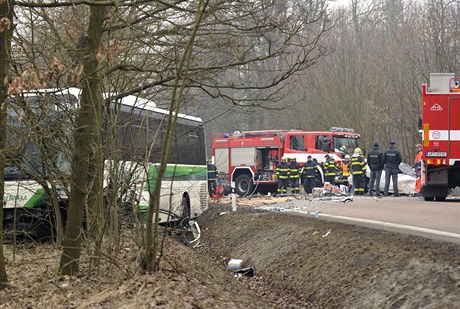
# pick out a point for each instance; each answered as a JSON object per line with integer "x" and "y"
{"x": 243, "y": 185}
{"x": 429, "y": 198}
{"x": 440, "y": 198}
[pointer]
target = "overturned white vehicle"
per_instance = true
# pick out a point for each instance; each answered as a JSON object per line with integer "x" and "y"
{"x": 406, "y": 179}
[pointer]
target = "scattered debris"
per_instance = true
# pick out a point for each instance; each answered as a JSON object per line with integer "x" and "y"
{"x": 234, "y": 264}
{"x": 248, "y": 272}
{"x": 327, "y": 233}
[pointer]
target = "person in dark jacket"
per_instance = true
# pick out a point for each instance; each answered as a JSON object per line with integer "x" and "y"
{"x": 375, "y": 163}
{"x": 391, "y": 160}
{"x": 294, "y": 176}
{"x": 330, "y": 169}
{"x": 308, "y": 175}
{"x": 212, "y": 178}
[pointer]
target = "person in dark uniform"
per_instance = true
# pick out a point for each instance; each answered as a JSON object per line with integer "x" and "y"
{"x": 391, "y": 160}
{"x": 358, "y": 170}
{"x": 375, "y": 163}
{"x": 330, "y": 168}
{"x": 308, "y": 174}
{"x": 212, "y": 178}
{"x": 294, "y": 176}
{"x": 282, "y": 172}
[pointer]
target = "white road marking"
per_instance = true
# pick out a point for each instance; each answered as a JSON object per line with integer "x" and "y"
{"x": 395, "y": 225}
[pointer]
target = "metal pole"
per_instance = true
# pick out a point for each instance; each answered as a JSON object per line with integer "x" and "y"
{"x": 233, "y": 196}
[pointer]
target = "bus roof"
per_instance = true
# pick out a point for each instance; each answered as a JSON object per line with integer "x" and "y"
{"x": 129, "y": 100}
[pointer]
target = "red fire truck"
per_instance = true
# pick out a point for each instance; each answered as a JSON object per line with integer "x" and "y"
{"x": 441, "y": 136}
{"x": 249, "y": 158}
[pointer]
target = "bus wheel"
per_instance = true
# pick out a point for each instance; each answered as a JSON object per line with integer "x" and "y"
{"x": 243, "y": 185}
{"x": 429, "y": 198}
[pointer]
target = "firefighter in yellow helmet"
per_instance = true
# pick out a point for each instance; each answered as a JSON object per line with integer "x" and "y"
{"x": 282, "y": 171}
{"x": 358, "y": 170}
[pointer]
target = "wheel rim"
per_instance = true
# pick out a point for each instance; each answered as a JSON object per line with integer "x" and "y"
{"x": 243, "y": 185}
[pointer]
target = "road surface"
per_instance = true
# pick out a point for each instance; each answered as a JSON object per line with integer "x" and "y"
{"x": 438, "y": 220}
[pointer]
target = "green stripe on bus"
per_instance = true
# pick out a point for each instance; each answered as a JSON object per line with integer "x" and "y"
{"x": 177, "y": 173}
{"x": 38, "y": 198}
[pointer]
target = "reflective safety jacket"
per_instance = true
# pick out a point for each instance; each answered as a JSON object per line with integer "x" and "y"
{"x": 282, "y": 170}
{"x": 294, "y": 170}
{"x": 358, "y": 166}
{"x": 212, "y": 172}
{"x": 309, "y": 169}
{"x": 330, "y": 167}
{"x": 345, "y": 169}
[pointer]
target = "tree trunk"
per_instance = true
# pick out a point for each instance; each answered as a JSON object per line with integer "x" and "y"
{"x": 6, "y": 13}
{"x": 152, "y": 239}
{"x": 91, "y": 95}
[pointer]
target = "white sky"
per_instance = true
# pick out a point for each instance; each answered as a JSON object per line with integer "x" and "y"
{"x": 338, "y": 3}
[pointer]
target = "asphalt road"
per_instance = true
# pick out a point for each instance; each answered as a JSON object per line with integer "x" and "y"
{"x": 436, "y": 220}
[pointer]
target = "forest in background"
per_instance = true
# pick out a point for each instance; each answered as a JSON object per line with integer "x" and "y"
{"x": 258, "y": 64}
{"x": 377, "y": 55}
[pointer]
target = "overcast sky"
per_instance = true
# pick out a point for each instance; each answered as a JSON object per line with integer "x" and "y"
{"x": 338, "y": 3}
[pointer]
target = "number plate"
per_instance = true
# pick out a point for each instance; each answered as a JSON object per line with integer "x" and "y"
{"x": 436, "y": 154}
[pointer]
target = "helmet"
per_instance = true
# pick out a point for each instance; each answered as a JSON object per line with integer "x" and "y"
{"x": 326, "y": 156}
{"x": 347, "y": 156}
{"x": 283, "y": 158}
{"x": 358, "y": 151}
{"x": 294, "y": 159}
{"x": 418, "y": 146}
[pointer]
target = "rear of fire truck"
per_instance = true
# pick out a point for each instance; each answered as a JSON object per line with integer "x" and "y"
{"x": 441, "y": 136}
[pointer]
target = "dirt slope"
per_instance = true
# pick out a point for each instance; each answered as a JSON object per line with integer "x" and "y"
{"x": 351, "y": 267}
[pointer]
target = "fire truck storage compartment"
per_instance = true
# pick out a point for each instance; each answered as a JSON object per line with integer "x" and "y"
{"x": 243, "y": 156}
{"x": 266, "y": 158}
{"x": 221, "y": 160}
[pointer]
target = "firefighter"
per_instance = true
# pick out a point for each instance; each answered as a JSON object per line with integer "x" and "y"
{"x": 391, "y": 160}
{"x": 346, "y": 169}
{"x": 375, "y": 163}
{"x": 358, "y": 170}
{"x": 330, "y": 168}
{"x": 418, "y": 169}
{"x": 282, "y": 173}
{"x": 212, "y": 178}
{"x": 308, "y": 175}
{"x": 294, "y": 176}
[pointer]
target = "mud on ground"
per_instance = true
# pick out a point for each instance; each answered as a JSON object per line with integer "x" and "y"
{"x": 300, "y": 263}
{"x": 313, "y": 263}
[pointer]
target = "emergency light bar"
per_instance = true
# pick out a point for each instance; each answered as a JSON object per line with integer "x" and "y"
{"x": 339, "y": 129}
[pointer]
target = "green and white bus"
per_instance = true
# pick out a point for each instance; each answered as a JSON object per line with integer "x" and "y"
{"x": 40, "y": 123}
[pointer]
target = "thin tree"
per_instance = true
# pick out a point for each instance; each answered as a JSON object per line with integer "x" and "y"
{"x": 6, "y": 29}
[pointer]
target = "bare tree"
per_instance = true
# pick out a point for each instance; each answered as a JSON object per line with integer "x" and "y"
{"x": 6, "y": 29}
{"x": 88, "y": 116}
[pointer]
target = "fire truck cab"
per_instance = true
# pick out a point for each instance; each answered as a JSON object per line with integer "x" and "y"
{"x": 441, "y": 136}
{"x": 249, "y": 158}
